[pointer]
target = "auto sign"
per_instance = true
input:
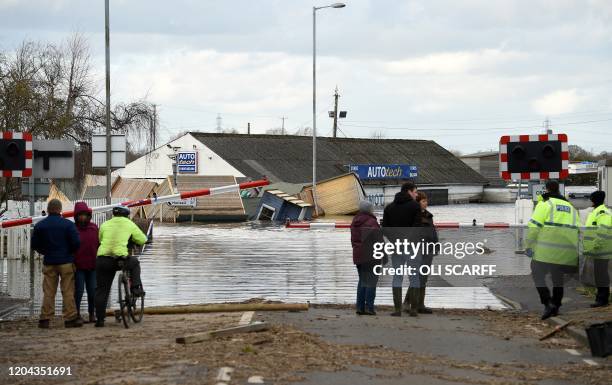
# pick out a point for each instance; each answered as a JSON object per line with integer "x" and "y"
{"x": 187, "y": 162}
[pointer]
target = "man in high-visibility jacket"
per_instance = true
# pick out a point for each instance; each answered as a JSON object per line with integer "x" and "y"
{"x": 598, "y": 246}
{"x": 115, "y": 235}
{"x": 552, "y": 242}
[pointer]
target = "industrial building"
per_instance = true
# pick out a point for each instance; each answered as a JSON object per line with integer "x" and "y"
{"x": 485, "y": 163}
{"x": 382, "y": 164}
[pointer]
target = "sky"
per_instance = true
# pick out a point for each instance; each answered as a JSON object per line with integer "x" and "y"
{"x": 461, "y": 72}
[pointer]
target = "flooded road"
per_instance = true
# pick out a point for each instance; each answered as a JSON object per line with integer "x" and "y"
{"x": 234, "y": 262}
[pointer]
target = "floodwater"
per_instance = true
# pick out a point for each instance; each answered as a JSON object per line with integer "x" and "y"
{"x": 211, "y": 263}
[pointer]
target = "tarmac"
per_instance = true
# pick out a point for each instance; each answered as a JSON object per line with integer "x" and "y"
{"x": 451, "y": 347}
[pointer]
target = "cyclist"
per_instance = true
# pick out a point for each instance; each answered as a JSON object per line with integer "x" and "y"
{"x": 115, "y": 235}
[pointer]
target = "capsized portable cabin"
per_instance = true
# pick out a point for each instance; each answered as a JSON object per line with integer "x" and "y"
{"x": 276, "y": 205}
{"x": 339, "y": 195}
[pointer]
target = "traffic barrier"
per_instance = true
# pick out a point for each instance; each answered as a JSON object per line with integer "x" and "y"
{"x": 439, "y": 225}
{"x": 145, "y": 202}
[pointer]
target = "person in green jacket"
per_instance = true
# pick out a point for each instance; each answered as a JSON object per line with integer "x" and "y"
{"x": 115, "y": 235}
{"x": 552, "y": 243}
{"x": 598, "y": 246}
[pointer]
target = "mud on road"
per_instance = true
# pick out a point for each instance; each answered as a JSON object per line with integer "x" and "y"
{"x": 286, "y": 353}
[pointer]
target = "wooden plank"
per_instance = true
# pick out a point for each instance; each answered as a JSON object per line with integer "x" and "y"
{"x": 199, "y": 337}
{"x": 222, "y": 308}
{"x": 556, "y": 330}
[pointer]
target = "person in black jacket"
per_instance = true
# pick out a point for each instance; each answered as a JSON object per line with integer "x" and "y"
{"x": 398, "y": 219}
{"x": 430, "y": 235}
{"x": 57, "y": 239}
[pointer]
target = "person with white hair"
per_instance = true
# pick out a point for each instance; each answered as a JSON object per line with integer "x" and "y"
{"x": 365, "y": 231}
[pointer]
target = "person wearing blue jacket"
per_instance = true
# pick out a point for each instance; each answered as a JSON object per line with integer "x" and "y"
{"x": 57, "y": 239}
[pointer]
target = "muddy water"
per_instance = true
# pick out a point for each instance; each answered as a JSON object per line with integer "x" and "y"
{"x": 235, "y": 262}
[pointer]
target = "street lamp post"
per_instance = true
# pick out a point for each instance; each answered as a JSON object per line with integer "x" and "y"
{"x": 314, "y": 99}
{"x": 107, "y": 112}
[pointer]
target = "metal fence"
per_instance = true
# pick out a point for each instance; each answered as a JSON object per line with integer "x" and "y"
{"x": 15, "y": 242}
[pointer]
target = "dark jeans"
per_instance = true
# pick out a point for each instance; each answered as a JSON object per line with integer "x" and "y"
{"x": 602, "y": 280}
{"x": 105, "y": 274}
{"x": 539, "y": 271}
{"x": 366, "y": 287}
{"x": 85, "y": 280}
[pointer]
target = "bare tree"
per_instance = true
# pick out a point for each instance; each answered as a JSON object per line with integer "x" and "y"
{"x": 49, "y": 90}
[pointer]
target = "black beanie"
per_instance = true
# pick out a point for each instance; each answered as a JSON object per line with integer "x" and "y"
{"x": 598, "y": 197}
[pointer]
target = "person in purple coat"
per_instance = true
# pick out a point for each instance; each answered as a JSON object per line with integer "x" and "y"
{"x": 85, "y": 258}
{"x": 365, "y": 231}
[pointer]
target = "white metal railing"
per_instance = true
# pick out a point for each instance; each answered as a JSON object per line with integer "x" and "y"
{"x": 15, "y": 242}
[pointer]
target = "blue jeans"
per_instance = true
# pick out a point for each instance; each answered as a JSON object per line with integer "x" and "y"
{"x": 85, "y": 280}
{"x": 400, "y": 259}
{"x": 366, "y": 287}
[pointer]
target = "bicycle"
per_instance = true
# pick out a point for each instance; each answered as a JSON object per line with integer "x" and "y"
{"x": 130, "y": 305}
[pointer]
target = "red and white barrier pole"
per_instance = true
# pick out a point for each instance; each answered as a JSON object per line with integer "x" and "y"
{"x": 146, "y": 202}
{"x": 439, "y": 225}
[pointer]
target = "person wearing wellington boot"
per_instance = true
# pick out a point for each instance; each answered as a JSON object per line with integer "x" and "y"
{"x": 429, "y": 235}
{"x": 399, "y": 219}
{"x": 365, "y": 231}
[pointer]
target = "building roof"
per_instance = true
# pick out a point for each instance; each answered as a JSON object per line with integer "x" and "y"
{"x": 288, "y": 158}
{"x": 480, "y": 154}
{"x": 289, "y": 198}
{"x": 132, "y": 188}
{"x": 218, "y": 206}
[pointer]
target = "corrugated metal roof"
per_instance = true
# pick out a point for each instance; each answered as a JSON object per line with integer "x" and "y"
{"x": 228, "y": 204}
{"x": 132, "y": 188}
{"x": 288, "y": 158}
{"x": 480, "y": 154}
{"x": 289, "y": 198}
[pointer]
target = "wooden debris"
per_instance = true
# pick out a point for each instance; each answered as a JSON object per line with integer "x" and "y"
{"x": 222, "y": 308}
{"x": 199, "y": 337}
{"x": 556, "y": 330}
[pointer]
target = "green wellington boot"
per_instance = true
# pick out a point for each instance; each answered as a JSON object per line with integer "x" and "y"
{"x": 422, "y": 308}
{"x": 413, "y": 297}
{"x": 397, "y": 302}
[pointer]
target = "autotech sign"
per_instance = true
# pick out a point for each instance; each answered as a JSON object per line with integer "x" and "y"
{"x": 384, "y": 171}
{"x": 187, "y": 162}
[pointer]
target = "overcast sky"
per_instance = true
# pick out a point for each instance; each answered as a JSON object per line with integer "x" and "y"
{"x": 460, "y": 72}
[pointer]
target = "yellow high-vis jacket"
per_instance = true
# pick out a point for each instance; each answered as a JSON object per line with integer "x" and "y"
{"x": 597, "y": 238}
{"x": 553, "y": 232}
{"x": 115, "y": 235}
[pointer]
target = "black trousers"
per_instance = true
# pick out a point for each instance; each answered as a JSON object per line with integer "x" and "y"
{"x": 106, "y": 267}
{"x": 539, "y": 271}
{"x": 602, "y": 280}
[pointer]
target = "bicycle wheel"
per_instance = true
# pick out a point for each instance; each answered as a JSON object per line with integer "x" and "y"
{"x": 124, "y": 300}
{"x": 137, "y": 308}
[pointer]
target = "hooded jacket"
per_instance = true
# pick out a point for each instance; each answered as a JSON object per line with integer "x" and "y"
{"x": 365, "y": 231}
{"x": 85, "y": 258}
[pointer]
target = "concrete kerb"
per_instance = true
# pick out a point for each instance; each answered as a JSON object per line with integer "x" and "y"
{"x": 578, "y": 334}
{"x": 507, "y": 301}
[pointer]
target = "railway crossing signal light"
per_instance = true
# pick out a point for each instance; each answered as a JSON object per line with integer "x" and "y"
{"x": 15, "y": 154}
{"x": 534, "y": 157}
